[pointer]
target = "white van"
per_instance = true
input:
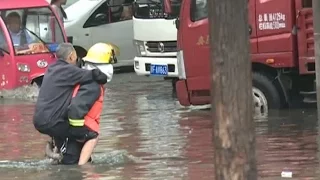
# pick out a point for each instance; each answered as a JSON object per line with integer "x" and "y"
{"x": 92, "y": 21}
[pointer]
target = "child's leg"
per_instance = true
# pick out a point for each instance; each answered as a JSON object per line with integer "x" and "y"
{"x": 89, "y": 139}
{"x": 87, "y": 151}
{"x": 72, "y": 153}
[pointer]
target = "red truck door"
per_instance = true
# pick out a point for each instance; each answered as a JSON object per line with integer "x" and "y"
{"x": 195, "y": 34}
{"x": 275, "y": 21}
{"x": 304, "y": 23}
{"x": 196, "y": 45}
{"x": 7, "y": 73}
{"x": 253, "y": 26}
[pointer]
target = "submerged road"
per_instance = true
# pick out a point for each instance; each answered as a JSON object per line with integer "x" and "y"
{"x": 146, "y": 134}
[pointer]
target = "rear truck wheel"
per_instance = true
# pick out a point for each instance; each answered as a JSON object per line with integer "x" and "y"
{"x": 265, "y": 93}
{"x": 81, "y": 52}
{"x": 260, "y": 103}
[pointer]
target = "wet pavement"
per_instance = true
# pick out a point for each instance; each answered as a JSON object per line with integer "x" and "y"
{"x": 146, "y": 134}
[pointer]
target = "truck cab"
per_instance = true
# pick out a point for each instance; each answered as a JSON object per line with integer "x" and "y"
{"x": 155, "y": 37}
{"x": 29, "y": 35}
{"x": 282, "y": 52}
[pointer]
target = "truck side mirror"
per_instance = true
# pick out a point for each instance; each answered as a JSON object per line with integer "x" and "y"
{"x": 177, "y": 22}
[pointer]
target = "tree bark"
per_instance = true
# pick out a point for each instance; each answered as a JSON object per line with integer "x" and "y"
{"x": 234, "y": 131}
{"x": 316, "y": 29}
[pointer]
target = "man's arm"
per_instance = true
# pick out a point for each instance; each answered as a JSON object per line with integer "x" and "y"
{"x": 71, "y": 75}
{"x": 82, "y": 103}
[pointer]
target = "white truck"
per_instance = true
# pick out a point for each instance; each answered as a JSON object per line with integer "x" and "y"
{"x": 155, "y": 38}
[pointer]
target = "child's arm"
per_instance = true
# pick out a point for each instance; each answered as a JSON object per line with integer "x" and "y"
{"x": 82, "y": 103}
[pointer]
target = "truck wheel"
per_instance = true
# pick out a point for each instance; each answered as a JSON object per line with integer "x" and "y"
{"x": 265, "y": 93}
{"x": 38, "y": 81}
{"x": 81, "y": 52}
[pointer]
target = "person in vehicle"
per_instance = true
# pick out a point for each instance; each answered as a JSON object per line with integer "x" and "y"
{"x": 126, "y": 13}
{"x": 19, "y": 35}
{"x": 116, "y": 9}
{"x": 51, "y": 110}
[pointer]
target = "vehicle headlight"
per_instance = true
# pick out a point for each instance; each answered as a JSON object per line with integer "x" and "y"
{"x": 141, "y": 50}
{"x": 180, "y": 64}
{"x": 23, "y": 67}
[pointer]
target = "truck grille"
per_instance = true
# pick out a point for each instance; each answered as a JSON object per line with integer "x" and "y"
{"x": 161, "y": 47}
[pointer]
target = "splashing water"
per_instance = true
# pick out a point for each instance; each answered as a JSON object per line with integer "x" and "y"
{"x": 110, "y": 159}
{"x": 40, "y": 165}
{"x": 28, "y": 92}
{"x": 114, "y": 158}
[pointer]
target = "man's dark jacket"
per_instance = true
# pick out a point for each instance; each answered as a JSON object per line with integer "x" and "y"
{"x": 56, "y": 92}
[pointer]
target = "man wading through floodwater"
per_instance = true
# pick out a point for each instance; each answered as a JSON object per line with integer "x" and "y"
{"x": 55, "y": 95}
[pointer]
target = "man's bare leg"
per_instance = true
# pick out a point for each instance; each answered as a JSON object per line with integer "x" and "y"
{"x": 87, "y": 150}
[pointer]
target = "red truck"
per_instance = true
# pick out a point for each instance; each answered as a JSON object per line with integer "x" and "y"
{"x": 29, "y": 35}
{"x": 282, "y": 52}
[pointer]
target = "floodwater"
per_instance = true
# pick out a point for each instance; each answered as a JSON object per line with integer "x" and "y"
{"x": 146, "y": 134}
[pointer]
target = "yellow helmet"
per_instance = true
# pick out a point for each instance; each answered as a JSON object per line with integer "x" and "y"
{"x": 101, "y": 53}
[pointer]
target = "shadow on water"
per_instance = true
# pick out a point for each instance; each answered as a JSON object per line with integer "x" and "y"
{"x": 146, "y": 134}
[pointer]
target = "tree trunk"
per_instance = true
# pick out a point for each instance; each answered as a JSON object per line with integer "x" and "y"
{"x": 316, "y": 29}
{"x": 233, "y": 132}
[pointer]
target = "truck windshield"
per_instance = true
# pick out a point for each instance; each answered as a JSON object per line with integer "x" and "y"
{"x": 33, "y": 30}
{"x": 155, "y": 9}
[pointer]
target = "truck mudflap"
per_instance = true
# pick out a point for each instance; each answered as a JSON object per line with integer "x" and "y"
{"x": 310, "y": 97}
{"x": 182, "y": 93}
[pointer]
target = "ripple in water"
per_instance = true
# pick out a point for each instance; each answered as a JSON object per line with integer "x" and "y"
{"x": 110, "y": 159}
{"x": 28, "y": 92}
{"x": 42, "y": 164}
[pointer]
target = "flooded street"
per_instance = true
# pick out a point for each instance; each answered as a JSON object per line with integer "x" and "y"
{"x": 146, "y": 134}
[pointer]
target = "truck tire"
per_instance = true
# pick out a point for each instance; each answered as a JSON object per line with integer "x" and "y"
{"x": 81, "y": 52}
{"x": 266, "y": 91}
{"x": 38, "y": 81}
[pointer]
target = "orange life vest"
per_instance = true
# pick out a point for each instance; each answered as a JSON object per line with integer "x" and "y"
{"x": 92, "y": 118}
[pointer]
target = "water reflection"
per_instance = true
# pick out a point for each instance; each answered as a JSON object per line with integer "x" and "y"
{"x": 288, "y": 142}
{"x": 146, "y": 134}
{"x": 15, "y": 137}
{"x": 198, "y": 150}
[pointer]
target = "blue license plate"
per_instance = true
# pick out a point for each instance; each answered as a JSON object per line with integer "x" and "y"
{"x": 160, "y": 70}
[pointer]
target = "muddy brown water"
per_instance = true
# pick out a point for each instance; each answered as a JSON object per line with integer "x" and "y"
{"x": 146, "y": 134}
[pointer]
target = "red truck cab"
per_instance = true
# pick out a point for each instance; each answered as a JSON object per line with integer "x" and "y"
{"x": 29, "y": 35}
{"x": 282, "y": 52}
